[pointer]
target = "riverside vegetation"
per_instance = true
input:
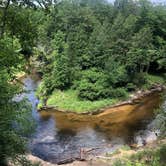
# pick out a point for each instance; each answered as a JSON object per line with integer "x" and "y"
{"x": 154, "y": 154}
{"x": 89, "y": 53}
{"x": 92, "y": 53}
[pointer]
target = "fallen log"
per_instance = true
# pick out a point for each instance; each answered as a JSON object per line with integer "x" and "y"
{"x": 83, "y": 152}
{"x": 70, "y": 160}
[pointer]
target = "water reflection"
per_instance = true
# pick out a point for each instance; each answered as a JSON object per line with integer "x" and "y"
{"x": 61, "y": 135}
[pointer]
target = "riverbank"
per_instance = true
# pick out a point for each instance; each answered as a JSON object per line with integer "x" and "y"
{"x": 69, "y": 101}
{"x": 152, "y": 153}
{"x": 134, "y": 99}
{"x": 71, "y": 122}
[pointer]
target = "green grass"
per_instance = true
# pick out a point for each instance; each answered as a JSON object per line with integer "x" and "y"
{"x": 147, "y": 157}
{"x": 153, "y": 79}
{"x": 117, "y": 151}
{"x": 68, "y": 100}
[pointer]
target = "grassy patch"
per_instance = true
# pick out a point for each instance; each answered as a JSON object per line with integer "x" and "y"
{"x": 68, "y": 100}
{"x": 153, "y": 79}
{"x": 118, "y": 151}
{"x": 152, "y": 157}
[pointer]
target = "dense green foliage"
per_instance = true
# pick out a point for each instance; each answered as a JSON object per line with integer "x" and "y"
{"x": 17, "y": 34}
{"x": 92, "y": 50}
{"x": 13, "y": 115}
{"x": 99, "y": 49}
{"x": 70, "y": 99}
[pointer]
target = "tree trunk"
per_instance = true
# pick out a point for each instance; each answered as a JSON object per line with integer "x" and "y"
{"x": 147, "y": 68}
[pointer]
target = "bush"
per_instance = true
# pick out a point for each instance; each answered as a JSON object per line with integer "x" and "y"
{"x": 139, "y": 79}
{"x": 45, "y": 88}
{"x": 93, "y": 85}
{"x": 94, "y": 92}
{"x": 131, "y": 87}
{"x": 118, "y": 93}
{"x": 43, "y": 91}
{"x": 117, "y": 74}
{"x": 90, "y": 91}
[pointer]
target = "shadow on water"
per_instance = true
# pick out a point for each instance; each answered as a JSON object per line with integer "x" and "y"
{"x": 61, "y": 135}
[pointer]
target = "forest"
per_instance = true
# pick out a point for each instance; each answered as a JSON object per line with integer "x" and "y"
{"x": 93, "y": 50}
{"x": 88, "y": 53}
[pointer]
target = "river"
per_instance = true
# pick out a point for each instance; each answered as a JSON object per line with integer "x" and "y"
{"x": 56, "y": 138}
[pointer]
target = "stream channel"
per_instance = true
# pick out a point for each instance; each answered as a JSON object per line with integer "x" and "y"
{"x": 56, "y": 138}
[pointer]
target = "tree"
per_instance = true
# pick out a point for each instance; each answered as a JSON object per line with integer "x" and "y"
{"x": 14, "y": 115}
{"x": 11, "y": 112}
{"x": 141, "y": 51}
{"x": 92, "y": 85}
{"x": 5, "y": 7}
{"x": 126, "y": 7}
{"x": 123, "y": 41}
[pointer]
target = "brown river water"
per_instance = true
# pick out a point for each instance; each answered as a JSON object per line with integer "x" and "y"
{"x": 59, "y": 136}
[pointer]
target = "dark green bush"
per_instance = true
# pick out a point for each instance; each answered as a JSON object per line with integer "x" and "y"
{"x": 118, "y": 93}
{"x": 117, "y": 74}
{"x": 92, "y": 85}
{"x": 131, "y": 87}
{"x": 139, "y": 79}
{"x": 90, "y": 91}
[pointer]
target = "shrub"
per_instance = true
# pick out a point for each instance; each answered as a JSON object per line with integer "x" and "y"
{"x": 92, "y": 85}
{"x": 139, "y": 79}
{"x": 90, "y": 91}
{"x": 117, "y": 74}
{"x": 131, "y": 87}
{"x": 118, "y": 93}
{"x": 45, "y": 88}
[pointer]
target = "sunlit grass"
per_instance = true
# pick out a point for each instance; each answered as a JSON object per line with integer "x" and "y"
{"x": 146, "y": 157}
{"x": 155, "y": 79}
{"x": 68, "y": 100}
